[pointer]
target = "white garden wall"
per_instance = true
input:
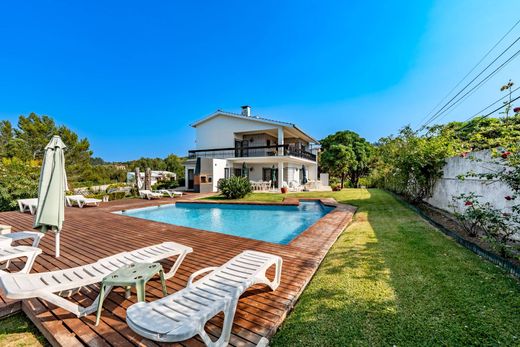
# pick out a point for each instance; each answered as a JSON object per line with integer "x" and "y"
{"x": 449, "y": 185}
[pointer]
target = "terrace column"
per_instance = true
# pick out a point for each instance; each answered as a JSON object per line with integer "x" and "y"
{"x": 280, "y": 175}
{"x": 280, "y": 141}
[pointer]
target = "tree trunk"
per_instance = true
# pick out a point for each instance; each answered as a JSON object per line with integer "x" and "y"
{"x": 148, "y": 179}
{"x": 137, "y": 178}
{"x": 342, "y": 180}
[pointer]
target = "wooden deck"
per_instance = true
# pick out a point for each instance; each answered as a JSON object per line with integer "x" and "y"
{"x": 94, "y": 232}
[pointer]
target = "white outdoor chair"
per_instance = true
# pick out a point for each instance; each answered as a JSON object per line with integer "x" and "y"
{"x": 294, "y": 186}
{"x": 148, "y": 194}
{"x": 81, "y": 201}
{"x": 28, "y": 205}
{"x": 9, "y": 252}
{"x": 183, "y": 315}
{"x": 45, "y": 285}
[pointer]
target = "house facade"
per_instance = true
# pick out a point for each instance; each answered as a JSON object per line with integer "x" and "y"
{"x": 231, "y": 144}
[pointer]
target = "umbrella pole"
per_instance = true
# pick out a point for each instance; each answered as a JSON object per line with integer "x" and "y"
{"x": 57, "y": 246}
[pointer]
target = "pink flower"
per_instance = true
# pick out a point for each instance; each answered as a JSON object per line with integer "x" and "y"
{"x": 464, "y": 154}
{"x": 468, "y": 203}
{"x": 508, "y": 198}
{"x": 516, "y": 110}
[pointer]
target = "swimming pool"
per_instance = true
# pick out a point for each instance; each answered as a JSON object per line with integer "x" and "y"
{"x": 271, "y": 223}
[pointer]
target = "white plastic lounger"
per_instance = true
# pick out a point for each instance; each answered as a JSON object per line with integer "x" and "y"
{"x": 148, "y": 194}
{"x": 183, "y": 315}
{"x": 9, "y": 252}
{"x": 44, "y": 285}
{"x": 81, "y": 201}
{"x": 28, "y": 205}
{"x": 170, "y": 193}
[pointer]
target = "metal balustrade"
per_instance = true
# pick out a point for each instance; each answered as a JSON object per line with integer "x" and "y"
{"x": 256, "y": 151}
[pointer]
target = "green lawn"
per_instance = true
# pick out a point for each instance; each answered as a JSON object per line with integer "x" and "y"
{"x": 392, "y": 279}
{"x": 18, "y": 331}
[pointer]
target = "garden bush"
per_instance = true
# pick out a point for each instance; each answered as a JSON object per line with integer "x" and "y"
{"x": 171, "y": 184}
{"x": 235, "y": 187}
{"x": 18, "y": 180}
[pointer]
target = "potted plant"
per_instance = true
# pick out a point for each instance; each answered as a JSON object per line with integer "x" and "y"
{"x": 284, "y": 188}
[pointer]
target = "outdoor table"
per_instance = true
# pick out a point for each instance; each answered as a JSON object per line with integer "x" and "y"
{"x": 137, "y": 275}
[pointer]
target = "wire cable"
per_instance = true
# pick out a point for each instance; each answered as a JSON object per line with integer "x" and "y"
{"x": 473, "y": 69}
{"x": 478, "y": 85}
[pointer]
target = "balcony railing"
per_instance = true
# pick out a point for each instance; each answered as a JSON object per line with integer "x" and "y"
{"x": 257, "y": 151}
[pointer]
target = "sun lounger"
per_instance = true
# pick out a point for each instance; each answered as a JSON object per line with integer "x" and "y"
{"x": 170, "y": 193}
{"x": 45, "y": 285}
{"x": 183, "y": 315}
{"x": 9, "y": 252}
{"x": 81, "y": 201}
{"x": 28, "y": 205}
{"x": 148, "y": 194}
{"x": 14, "y": 252}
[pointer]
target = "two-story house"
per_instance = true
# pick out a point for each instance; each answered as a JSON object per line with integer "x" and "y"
{"x": 261, "y": 149}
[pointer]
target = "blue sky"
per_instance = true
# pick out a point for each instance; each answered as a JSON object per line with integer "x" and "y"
{"x": 131, "y": 76}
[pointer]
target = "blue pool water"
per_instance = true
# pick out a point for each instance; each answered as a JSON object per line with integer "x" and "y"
{"x": 277, "y": 224}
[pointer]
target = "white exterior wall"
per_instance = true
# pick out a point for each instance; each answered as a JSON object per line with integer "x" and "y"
{"x": 449, "y": 185}
{"x": 219, "y": 132}
{"x": 218, "y": 171}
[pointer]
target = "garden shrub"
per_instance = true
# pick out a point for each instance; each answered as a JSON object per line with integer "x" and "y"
{"x": 117, "y": 195}
{"x": 410, "y": 164}
{"x": 500, "y": 227}
{"x": 18, "y": 180}
{"x": 235, "y": 187}
{"x": 171, "y": 184}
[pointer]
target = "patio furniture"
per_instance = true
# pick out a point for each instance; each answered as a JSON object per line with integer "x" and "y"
{"x": 28, "y": 205}
{"x": 136, "y": 275}
{"x": 255, "y": 185}
{"x": 170, "y": 193}
{"x": 148, "y": 194}
{"x": 183, "y": 315}
{"x": 295, "y": 186}
{"x": 9, "y": 252}
{"x": 81, "y": 201}
{"x": 36, "y": 236}
{"x": 44, "y": 285}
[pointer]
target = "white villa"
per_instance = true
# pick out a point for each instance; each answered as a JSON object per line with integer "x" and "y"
{"x": 262, "y": 149}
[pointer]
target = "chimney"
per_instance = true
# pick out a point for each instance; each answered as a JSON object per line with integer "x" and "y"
{"x": 246, "y": 111}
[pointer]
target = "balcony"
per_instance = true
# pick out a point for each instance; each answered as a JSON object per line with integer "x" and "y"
{"x": 249, "y": 152}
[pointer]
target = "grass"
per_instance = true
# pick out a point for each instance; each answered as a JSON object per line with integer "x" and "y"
{"x": 392, "y": 279}
{"x": 18, "y": 331}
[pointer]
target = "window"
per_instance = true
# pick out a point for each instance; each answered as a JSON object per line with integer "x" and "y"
{"x": 226, "y": 172}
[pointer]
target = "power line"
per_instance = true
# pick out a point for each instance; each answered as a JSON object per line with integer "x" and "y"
{"x": 437, "y": 115}
{"x": 493, "y": 104}
{"x": 487, "y": 115}
{"x": 473, "y": 69}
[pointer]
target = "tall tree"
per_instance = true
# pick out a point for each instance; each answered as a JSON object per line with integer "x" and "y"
{"x": 175, "y": 164}
{"x": 28, "y": 141}
{"x": 346, "y": 155}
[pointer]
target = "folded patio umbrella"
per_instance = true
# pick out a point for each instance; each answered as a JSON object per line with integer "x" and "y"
{"x": 51, "y": 190}
{"x": 304, "y": 174}
{"x": 244, "y": 170}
